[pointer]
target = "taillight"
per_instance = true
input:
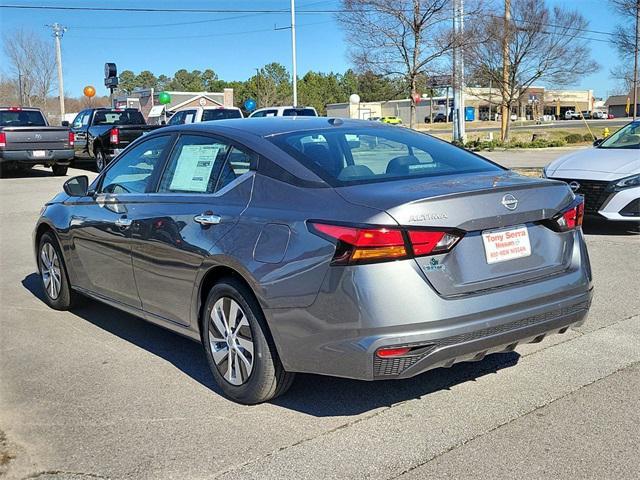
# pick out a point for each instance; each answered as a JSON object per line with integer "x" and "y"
{"x": 3, "y": 139}
{"x": 369, "y": 244}
{"x": 114, "y": 136}
{"x": 570, "y": 218}
{"x": 72, "y": 139}
{"x": 15, "y": 109}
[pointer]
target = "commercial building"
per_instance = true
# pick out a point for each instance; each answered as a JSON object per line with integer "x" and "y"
{"x": 617, "y": 104}
{"x": 146, "y": 100}
{"x": 481, "y": 104}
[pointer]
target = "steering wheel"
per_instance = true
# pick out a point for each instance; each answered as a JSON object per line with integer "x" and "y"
{"x": 113, "y": 186}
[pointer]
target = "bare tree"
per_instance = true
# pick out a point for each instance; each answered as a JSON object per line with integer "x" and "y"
{"x": 406, "y": 39}
{"x": 626, "y": 40}
{"x": 543, "y": 45}
{"x": 32, "y": 62}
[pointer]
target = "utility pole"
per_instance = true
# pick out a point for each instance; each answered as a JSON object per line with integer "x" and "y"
{"x": 635, "y": 63}
{"x": 258, "y": 88}
{"x": 293, "y": 53}
{"x": 505, "y": 71}
{"x": 20, "y": 88}
{"x": 458, "y": 75}
{"x": 58, "y": 32}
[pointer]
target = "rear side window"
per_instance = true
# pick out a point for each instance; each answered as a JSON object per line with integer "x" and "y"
{"x": 21, "y": 118}
{"x": 220, "y": 114}
{"x": 299, "y": 112}
{"x": 238, "y": 163}
{"x": 195, "y": 165}
{"x": 344, "y": 156}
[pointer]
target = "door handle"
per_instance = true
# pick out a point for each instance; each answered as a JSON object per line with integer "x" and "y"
{"x": 123, "y": 222}
{"x": 207, "y": 219}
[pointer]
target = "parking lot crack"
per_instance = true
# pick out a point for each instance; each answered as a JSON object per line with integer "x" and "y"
{"x": 510, "y": 421}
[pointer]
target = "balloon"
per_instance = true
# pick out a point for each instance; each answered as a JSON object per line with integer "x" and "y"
{"x": 354, "y": 99}
{"x": 164, "y": 98}
{"x": 89, "y": 91}
{"x": 250, "y": 104}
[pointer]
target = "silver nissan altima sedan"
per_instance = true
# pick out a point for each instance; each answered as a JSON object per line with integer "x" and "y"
{"x": 319, "y": 245}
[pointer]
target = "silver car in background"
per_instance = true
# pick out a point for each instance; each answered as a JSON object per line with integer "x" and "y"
{"x": 327, "y": 246}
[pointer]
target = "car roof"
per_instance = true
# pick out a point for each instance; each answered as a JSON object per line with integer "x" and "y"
{"x": 268, "y": 126}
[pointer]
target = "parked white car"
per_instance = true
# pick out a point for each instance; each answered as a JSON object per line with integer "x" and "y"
{"x": 204, "y": 114}
{"x": 288, "y": 111}
{"x": 608, "y": 175}
{"x": 571, "y": 115}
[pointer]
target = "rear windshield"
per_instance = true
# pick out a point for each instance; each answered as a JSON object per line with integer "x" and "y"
{"x": 220, "y": 114}
{"x": 347, "y": 156}
{"x": 299, "y": 112}
{"x": 22, "y": 118}
{"x": 114, "y": 117}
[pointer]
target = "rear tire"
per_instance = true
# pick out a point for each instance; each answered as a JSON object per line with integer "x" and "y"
{"x": 59, "y": 170}
{"x": 53, "y": 274}
{"x": 234, "y": 330}
{"x": 101, "y": 160}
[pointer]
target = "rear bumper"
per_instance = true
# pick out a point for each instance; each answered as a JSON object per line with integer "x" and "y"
{"x": 50, "y": 157}
{"x": 363, "y": 308}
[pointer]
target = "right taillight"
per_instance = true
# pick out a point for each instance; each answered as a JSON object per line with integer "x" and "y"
{"x": 72, "y": 138}
{"x": 114, "y": 136}
{"x": 570, "y": 218}
{"x": 371, "y": 244}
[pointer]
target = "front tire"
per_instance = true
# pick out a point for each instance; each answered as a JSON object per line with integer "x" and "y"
{"x": 53, "y": 274}
{"x": 238, "y": 345}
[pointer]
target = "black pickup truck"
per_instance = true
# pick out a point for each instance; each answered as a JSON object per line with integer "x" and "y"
{"x": 101, "y": 133}
{"x": 26, "y": 139}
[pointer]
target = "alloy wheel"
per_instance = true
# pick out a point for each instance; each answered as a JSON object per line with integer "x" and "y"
{"x": 50, "y": 270}
{"x": 100, "y": 161}
{"x": 231, "y": 341}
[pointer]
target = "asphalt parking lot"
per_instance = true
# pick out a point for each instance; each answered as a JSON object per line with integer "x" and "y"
{"x": 96, "y": 393}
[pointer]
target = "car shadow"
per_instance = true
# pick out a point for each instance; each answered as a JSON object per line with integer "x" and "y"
{"x": 593, "y": 225}
{"x": 315, "y": 395}
{"x": 30, "y": 173}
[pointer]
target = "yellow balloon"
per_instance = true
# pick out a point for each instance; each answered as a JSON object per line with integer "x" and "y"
{"x": 89, "y": 91}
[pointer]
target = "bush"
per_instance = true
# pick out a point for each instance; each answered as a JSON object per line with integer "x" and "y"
{"x": 587, "y": 137}
{"x": 574, "y": 138}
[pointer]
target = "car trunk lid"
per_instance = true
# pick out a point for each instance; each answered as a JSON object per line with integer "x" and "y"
{"x": 477, "y": 203}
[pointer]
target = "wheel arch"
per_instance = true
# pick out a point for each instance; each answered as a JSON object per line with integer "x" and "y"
{"x": 212, "y": 276}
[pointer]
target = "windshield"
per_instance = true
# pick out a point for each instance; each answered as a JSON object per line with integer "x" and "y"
{"x": 627, "y": 137}
{"x": 346, "y": 156}
{"x": 115, "y": 117}
{"x": 220, "y": 114}
{"x": 21, "y": 118}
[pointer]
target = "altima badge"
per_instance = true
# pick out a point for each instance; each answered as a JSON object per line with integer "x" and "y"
{"x": 510, "y": 202}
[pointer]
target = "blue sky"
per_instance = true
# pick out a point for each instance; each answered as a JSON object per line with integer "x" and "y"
{"x": 233, "y": 45}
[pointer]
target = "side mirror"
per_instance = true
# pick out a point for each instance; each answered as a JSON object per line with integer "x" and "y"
{"x": 65, "y": 123}
{"x": 598, "y": 142}
{"x": 77, "y": 186}
{"x": 163, "y": 122}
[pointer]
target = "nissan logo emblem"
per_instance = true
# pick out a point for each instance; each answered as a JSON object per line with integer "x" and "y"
{"x": 575, "y": 186}
{"x": 510, "y": 202}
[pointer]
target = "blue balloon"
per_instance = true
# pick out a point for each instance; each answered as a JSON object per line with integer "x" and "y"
{"x": 250, "y": 104}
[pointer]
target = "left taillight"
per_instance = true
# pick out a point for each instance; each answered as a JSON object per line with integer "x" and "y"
{"x": 72, "y": 139}
{"x": 571, "y": 217}
{"x": 371, "y": 244}
{"x": 3, "y": 139}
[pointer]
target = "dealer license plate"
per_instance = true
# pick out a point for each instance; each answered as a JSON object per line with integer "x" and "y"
{"x": 506, "y": 244}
